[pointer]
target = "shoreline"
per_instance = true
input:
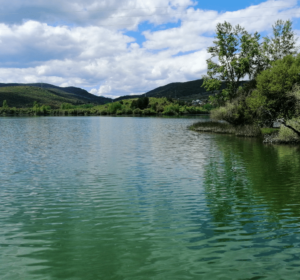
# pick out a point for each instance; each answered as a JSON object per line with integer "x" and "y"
{"x": 267, "y": 135}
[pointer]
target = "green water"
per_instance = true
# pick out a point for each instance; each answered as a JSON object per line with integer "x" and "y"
{"x": 144, "y": 198}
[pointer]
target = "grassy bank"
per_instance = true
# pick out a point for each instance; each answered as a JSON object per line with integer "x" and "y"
{"x": 222, "y": 127}
{"x": 283, "y": 135}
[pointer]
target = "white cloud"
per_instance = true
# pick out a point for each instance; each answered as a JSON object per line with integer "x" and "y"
{"x": 66, "y": 43}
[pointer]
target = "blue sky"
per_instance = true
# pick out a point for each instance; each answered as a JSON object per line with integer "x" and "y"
{"x": 121, "y": 47}
{"x": 223, "y": 6}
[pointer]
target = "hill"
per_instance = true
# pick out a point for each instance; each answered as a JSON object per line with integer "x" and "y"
{"x": 23, "y": 95}
{"x": 186, "y": 91}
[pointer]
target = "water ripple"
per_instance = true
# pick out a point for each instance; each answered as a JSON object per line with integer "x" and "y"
{"x": 144, "y": 198}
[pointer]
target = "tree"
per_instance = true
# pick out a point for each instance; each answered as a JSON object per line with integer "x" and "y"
{"x": 240, "y": 54}
{"x": 275, "y": 84}
{"x": 5, "y": 105}
{"x": 282, "y": 43}
{"x": 143, "y": 102}
{"x": 237, "y": 53}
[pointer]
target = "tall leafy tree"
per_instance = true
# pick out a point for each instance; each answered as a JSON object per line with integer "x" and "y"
{"x": 281, "y": 44}
{"x": 237, "y": 54}
{"x": 5, "y": 105}
{"x": 234, "y": 55}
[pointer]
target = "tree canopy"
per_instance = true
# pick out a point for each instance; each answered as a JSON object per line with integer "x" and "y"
{"x": 237, "y": 55}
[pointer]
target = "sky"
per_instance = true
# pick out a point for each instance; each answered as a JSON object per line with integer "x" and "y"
{"x": 122, "y": 47}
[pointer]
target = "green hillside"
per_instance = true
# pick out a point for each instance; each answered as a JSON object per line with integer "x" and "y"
{"x": 186, "y": 91}
{"x": 23, "y": 96}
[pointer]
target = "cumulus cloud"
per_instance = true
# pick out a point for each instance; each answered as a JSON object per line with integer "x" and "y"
{"x": 85, "y": 43}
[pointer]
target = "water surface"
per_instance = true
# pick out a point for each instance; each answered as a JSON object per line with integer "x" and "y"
{"x": 144, "y": 198}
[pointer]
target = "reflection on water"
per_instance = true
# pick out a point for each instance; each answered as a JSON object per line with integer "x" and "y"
{"x": 144, "y": 198}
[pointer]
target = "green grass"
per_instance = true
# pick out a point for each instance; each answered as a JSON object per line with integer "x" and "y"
{"x": 222, "y": 127}
{"x": 269, "y": 130}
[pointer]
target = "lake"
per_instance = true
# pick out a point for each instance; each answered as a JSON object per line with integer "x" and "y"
{"x": 144, "y": 198}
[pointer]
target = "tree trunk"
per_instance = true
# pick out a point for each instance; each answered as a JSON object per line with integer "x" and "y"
{"x": 290, "y": 127}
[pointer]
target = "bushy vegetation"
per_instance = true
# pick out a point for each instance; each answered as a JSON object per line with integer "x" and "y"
{"x": 288, "y": 135}
{"x": 142, "y": 106}
{"x": 273, "y": 93}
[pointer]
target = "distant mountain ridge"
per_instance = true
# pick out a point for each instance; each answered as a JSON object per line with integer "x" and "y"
{"x": 23, "y": 95}
{"x": 185, "y": 90}
{"x": 78, "y": 93}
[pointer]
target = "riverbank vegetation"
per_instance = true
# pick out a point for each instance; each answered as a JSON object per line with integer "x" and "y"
{"x": 272, "y": 94}
{"x": 138, "y": 106}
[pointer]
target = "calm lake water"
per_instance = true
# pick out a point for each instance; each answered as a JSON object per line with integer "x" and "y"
{"x": 144, "y": 198}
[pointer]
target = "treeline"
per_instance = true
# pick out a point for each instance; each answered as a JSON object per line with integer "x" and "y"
{"x": 272, "y": 66}
{"x": 140, "y": 106}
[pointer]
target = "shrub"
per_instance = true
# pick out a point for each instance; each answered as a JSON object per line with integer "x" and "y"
{"x": 275, "y": 84}
{"x": 159, "y": 108}
{"x": 114, "y": 107}
{"x": 143, "y": 102}
{"x": 171, "y": 109}
{"x": 149, "y": 112}
{"x": 236, "y": 112}
{"x": 5, "y": 105}
{"x": 207, "y": 107}
{"x": 134, "y": 104}
{"x": 153, "y": 106}
{"x": 137, "y": 111}
{"x": 128, "y": 111}
{"x": 66, "y": 106}
{"x": 286, "y": 134}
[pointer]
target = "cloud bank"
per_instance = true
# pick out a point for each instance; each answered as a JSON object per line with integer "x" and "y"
{"x": 115, "y": 48}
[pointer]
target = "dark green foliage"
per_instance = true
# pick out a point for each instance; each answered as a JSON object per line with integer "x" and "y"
{"x": 275, "y": 84}
{"x": 240, "y": 53}
{"x": 153, "y": 106}
{"x": 276, "y": 98}
{"x": 172, "y": 109}
{"x": 134, "y": 104}
{"x": 114, "y": 107}
{"x": 170, "y": 99}
{"x": 235, "y": 112}
{"x": 65, "y": 106}
{"x": 137, "y": 111}
{"x": 181, "y": 103}
{"x": 143, "y": 102}
{"x": 147, "y": 112}
{"x": 5, "y": 105}
{"x": 140, "y": 103}
{"x": 207, "y": 107}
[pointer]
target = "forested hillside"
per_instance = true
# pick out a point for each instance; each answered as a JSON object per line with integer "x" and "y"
{"x": 23, "y": 95}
